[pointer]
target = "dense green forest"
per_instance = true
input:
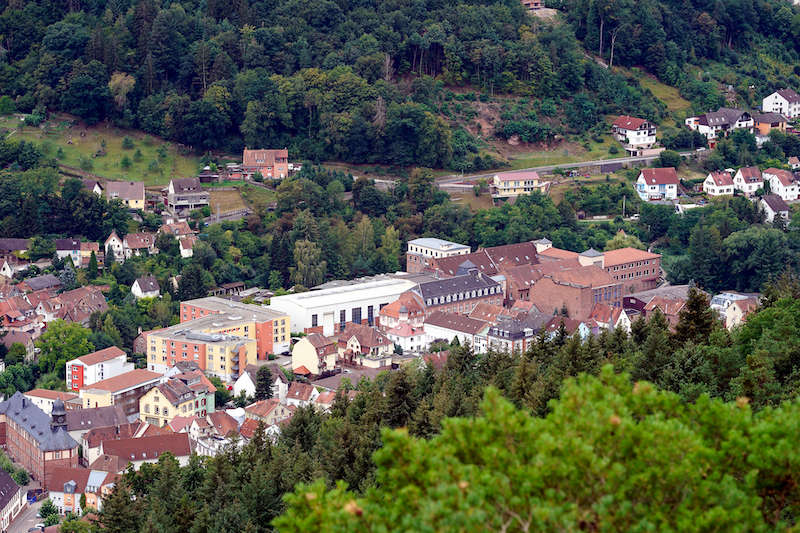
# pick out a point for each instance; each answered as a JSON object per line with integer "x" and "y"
{"x": 660, "y": 430}
{"x": 364, "y": 81}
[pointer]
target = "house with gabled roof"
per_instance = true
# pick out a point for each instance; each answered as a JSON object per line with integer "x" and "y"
{"x": 783, "y": 183}
{"x": 784, "y": 101}
{"x": 441, "y": 326}
{"x": 794, "y": 162}
{"x": 635, "y": 134}
{"x": 748, "y": 180}
{"x": 715, "y": 125}
{"x": 97, "y": 366}
{"x": 316, "y": 353}
{"x": 774, "y": 206}
{"x": 138, "y": 451}
{"x": 247, "y": 382}
{"x": 130, "y": 193}
{"x": 301, "y": 394}
{"x": 271, "y": 164}
{"x": 718, "y": 184}
{"x": 146, "y": 287}
{"x": 71, "y": 485}
{"x": 364, "y": 346}
{"x": 608, "y": 317}
{"x": 657, "y": 184}
{"x": 268, "y": 411}
{"x": 12, "y": 500}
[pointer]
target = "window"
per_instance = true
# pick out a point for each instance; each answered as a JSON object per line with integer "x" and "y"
{"x": 313, "y": 321}
{"x": 356, "y": 314}
{"x": 342, "y": 317}
{"x": 370, "y": 315}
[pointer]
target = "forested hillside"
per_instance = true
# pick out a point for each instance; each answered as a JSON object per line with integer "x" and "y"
{"x": 752, "y": 45}
{"x": 362, "y": 81}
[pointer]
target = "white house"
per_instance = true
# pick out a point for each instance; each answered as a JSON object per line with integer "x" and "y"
{"x": 718, "y": 184}
{"x": 748, "y": 180}
{"x": 441, "y": 326}
{"x": 44, "y": 399}
{"x": 328, "y": 310}
{"x": 774, "y": 206}
{"x": 635, "y": 134}
{"x": 717, "y": 124}
{"x": 409, "y": 338}
{"x": 301, "y": 394}
{"x": 114, "y": 243}
{"x": 657, "y": 184}
{"x": 146, "y": 287}
{"x": 247, "y": 382}
{"x": 782, "y": 183}
{"x": 794, "y": 162}
{"x": 12, "y": 500}
{"x": 69, "y": 248}
{"x": 148, "y": 449}
{"x": 97, "y": 366}
{"x": 786, "y": 102}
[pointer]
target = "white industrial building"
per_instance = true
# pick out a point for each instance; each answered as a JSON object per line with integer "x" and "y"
{"x": 327, "y": 310}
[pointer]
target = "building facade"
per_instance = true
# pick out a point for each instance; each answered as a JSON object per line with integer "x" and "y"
{"x": 97, "y": 366}
{"x": 519, "y": 183}
{"x": 636, "y": 270}
{"x": 174, "y": 398}
{"x": 635, "y": 134}
{"x": 718, "y": 184}
{"x": 420, "y": 250}
{"x": 785, "y": 102}
{"x": 124, "y": 390}
{"x": 271, "y": 164}
{"x": 186, "y": 194}
{"x": 657, "y": 184}
{"x": 748, "y": 180}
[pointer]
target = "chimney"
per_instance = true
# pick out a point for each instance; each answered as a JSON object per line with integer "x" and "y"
{"x": 23, "y": 402}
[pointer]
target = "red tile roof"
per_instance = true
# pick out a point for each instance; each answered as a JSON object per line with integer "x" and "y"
{"x": 629, "y": 123}
{"x": 249, "y": 427}
{"x": 101, "y": 356}
{"x": 223, "y": 423}
{"x": 627, "y": 255}
{"x": 750, "y": 174}
{"x": 148, "y": 448}
{"x": 660, "y": 176}
{"x": 263, "y": 158}
{"x": 784, "y": 176}
{"x": 263, "y": 408}
{"x": 721, "y": 179}
{"x": 520, "y": 175}
{"x": 124, "y": 381}
{"x": 180, "y": 423}
{"x": 454, "y": 322}
{"x": 51, "y": 394}
{"x": 300, "y": 391}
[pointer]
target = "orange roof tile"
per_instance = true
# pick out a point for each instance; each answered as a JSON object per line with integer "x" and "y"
{"x": 624, "y": 256}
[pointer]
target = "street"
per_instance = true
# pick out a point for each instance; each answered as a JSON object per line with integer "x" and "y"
{"x": 27, "y": 519}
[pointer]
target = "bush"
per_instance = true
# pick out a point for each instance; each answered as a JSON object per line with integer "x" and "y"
{"x": 85, "y": 163}
{"x": 127, "y": 143}
{"x": 613, "y": 149}
{"x": 125, "y": 162}
{"x": 137, "y": 155}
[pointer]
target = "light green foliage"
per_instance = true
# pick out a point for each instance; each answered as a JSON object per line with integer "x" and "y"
{"x": 609, "y": 456}
{"x": 62, "y": 342}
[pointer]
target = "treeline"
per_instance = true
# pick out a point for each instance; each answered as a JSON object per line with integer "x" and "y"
{"x": 329, "y": 80}
{"x": 699, "y": 366}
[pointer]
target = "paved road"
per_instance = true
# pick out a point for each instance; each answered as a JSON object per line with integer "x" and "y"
{"x": 456, "y": 178}
{"x": 27, "y": 519}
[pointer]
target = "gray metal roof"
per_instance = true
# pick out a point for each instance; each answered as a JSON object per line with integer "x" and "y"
{"x": 456, "y": 285}
{"x": 438, "y": 244}
{"x": 591, "y": 252}
{"x": 36, "y": 423}
{"x": 43, "y": 282}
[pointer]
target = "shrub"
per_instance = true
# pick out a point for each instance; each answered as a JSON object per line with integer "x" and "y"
{"x": 125, "y": 163}
{"x": 613, "y": 149}
{"x": 127, "y": 143}
{"x": 85, "y": 163}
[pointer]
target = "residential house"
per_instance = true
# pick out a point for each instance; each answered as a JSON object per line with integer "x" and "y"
{"x": 748, "y": 180}
{"x": 69, "y": 248}
{"x": 210, "y": 435}
{"x": 763, "y": 123}
{"x": 146, "y": 287}
{"x": 638, "y": 270}
{"x": 785, "y": 102}
{"x": 93, "y": 439}
{"x": 409, "y": 338}
{"x": 723, "y": 301}
{"x": 148, "y": 449}
{"x": 315, "y": 353}
{"x": 38, "y": 283}
{"x": 44, "y": 398}
{"x": 718, "y": 124}
{"x": 419, "y": 250}
{"x": 533, "y": 5}
{"x": 271, "y": 164}
{"x": 87, "y": 249}
{"x": 739, "y": 310}
{"x": 459, "y": 294}
{"x": 657, "y": 184}
{"x": 176, "y": 397}
{"x": 301, "y": 394}
{"x": 782, "y": 183}
{"x": 177, "y": 229}
{"x": 571, "y": 327}
{"x": 139, "y": 244}
{"x": 12, "y": 500}
{"x": 81, "y": 421}
{"x": 269, "y": 411}
{"x": 794, "y": 162}
{"x": 268, "y": 326}
{"x": 35, "y": 441}
{"x": 442, "y": 326}
{"x": 114, "y": 245}
{"x": 130, "y": 193}
{"x": 247, "y": 382}
{"x": 635, "y": 134}
{"x": 71, "y": 485}
{"x": 634, "y": 303}
{"x": 669, "y": 307}
{"x": 11, "y": 248}
{"x": 609, "y": 318}
{"x": 187, "y": 245}
{"x": 96, "y": 366}
{"x": 93, "y": 186}
{"x": 774, "y": 206}
{"x": 326, "y": 399}
{"x": 186, "y": 194}
{"x": 76, "y": 305}
{"x": 407, "y": 310}
{"x": 364, "y": 346}
{"x": 517, "y": 183}
{"x": 19, "y": 337}
{"x": 514, "y": 335}
{"x": 124, "y": 390}
{"x": 718, "y": 184}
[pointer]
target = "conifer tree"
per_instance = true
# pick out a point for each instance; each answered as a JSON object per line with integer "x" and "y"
{"x": 695, "y": 320}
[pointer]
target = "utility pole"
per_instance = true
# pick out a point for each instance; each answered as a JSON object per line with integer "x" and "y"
{"x": 623, "y": 206}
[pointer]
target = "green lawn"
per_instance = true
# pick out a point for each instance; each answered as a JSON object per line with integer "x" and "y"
{"x": 669, "y": 95}
{"x": 256, "y": 196}
{"x": 569, "y": 153}
{"x": 79, "y": 146}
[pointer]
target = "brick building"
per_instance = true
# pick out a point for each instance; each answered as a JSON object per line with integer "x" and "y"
{"x": 271, "y": 164}
{"x": 575, "y": 288}
{"x": 37, "y": 442}
{"x": 459, "y": 294}
{"x": 420, "y": 250}
{"x": 638, "y": 270}
{"x": 488, "y": 261}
